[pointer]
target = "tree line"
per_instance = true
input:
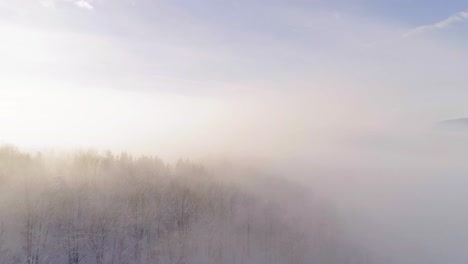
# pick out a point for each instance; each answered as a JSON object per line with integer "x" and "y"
{"x": 105, "y": 208}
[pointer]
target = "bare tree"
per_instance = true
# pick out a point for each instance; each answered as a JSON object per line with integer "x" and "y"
{"x": 183, "y": 209}
{"x": 3, "y": 250}
{"x": 97, "y": 234}
{"x": 70, "y": 224}
{"x": 35, "y": 232}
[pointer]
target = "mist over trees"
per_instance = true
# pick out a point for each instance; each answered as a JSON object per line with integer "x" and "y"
{"x": 88, "y": 207}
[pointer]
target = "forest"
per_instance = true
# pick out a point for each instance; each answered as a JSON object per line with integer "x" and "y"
{"x": 105, "y": 208}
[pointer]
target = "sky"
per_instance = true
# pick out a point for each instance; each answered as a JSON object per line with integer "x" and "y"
{"x": 98, "y": 72}
{"x": 348, "y": 90}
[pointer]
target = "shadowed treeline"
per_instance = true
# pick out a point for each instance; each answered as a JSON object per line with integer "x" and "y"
{"x": 104, "y": 208}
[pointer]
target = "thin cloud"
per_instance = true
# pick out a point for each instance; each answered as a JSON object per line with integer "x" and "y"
{"x": 78, "y": 3}
{"x": 84, "y": 4}
{"x": 453, "y": 19}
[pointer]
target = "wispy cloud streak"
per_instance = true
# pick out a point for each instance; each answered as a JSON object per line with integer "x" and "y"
{"x": 453, "y": 19}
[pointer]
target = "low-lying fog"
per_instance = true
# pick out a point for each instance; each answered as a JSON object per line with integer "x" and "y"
{"x": 398, "y": 187}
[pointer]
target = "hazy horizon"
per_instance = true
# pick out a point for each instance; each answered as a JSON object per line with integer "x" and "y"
{"x": 348, "y": 98}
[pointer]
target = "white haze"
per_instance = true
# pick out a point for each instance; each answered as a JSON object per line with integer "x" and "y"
{"x": 355, "y": 121}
